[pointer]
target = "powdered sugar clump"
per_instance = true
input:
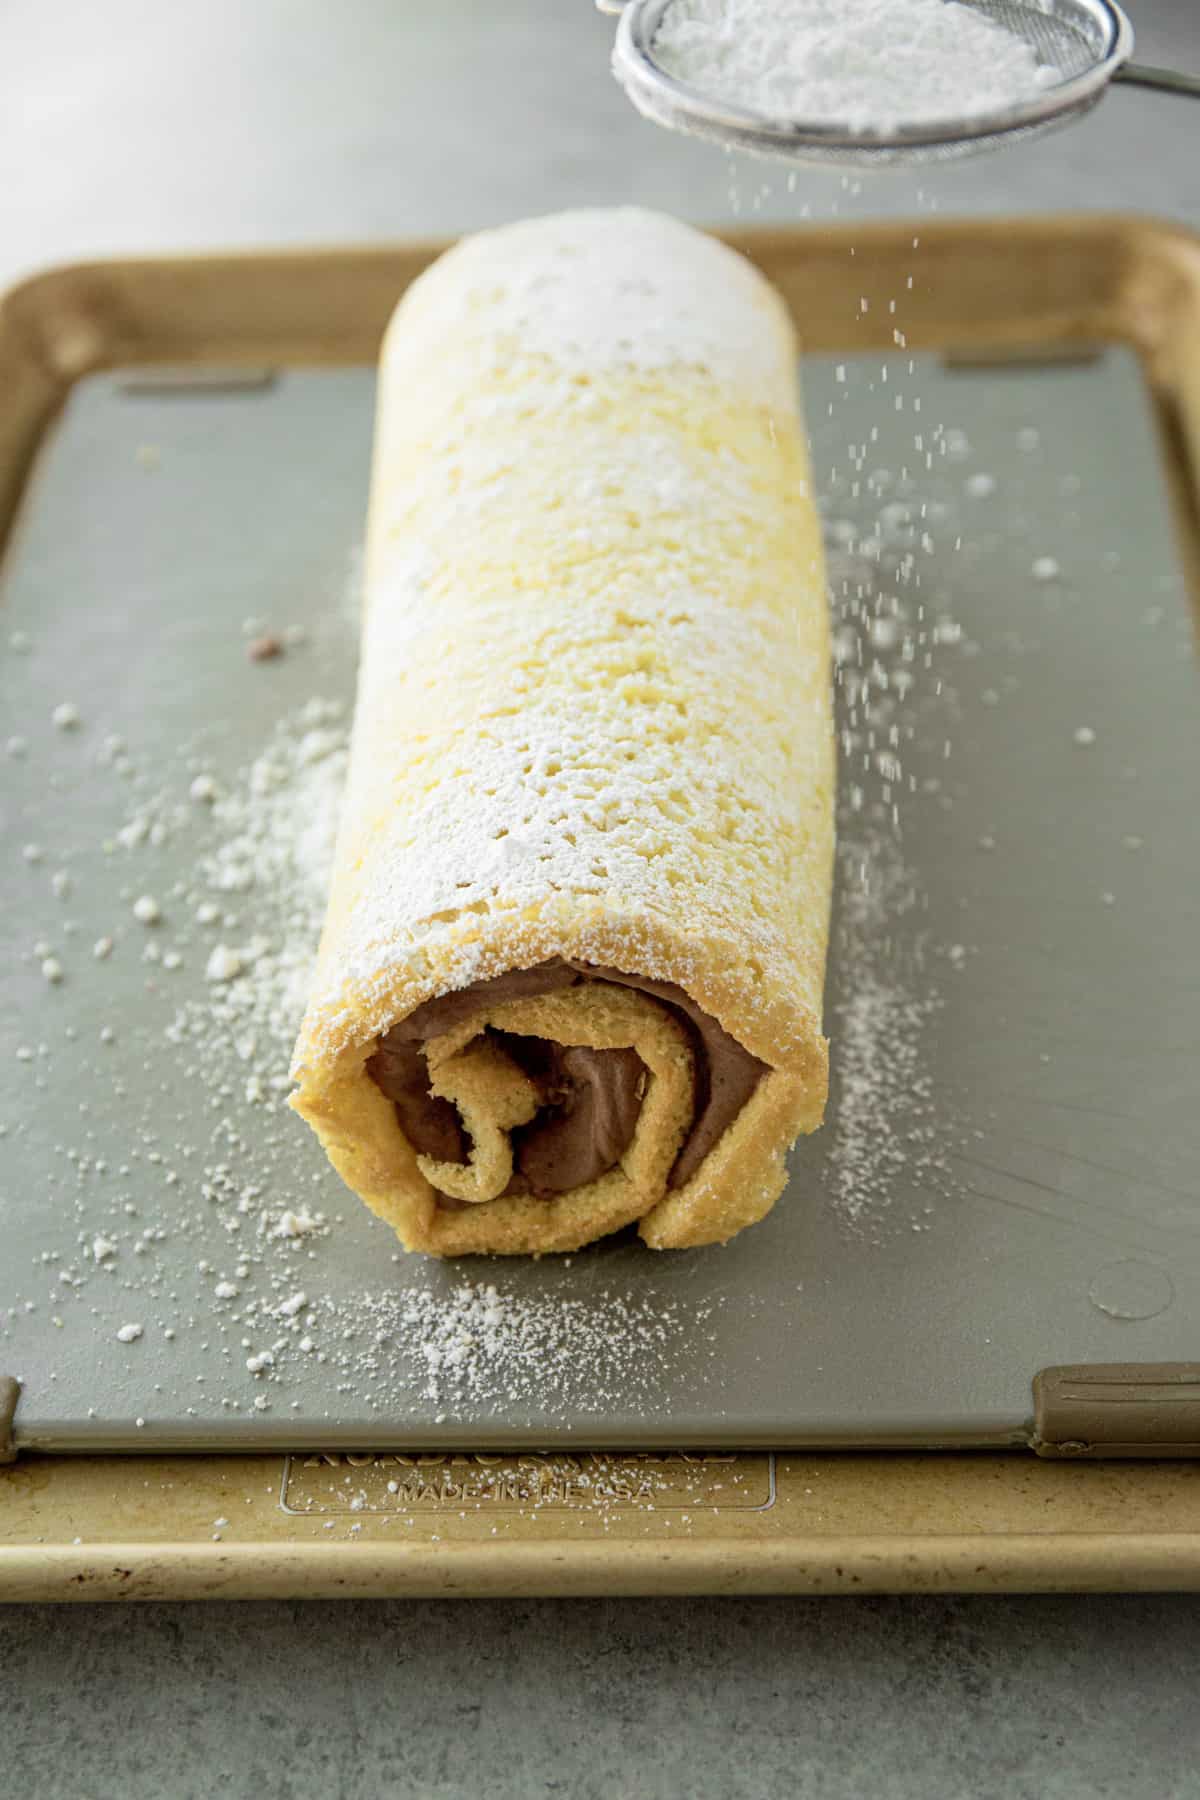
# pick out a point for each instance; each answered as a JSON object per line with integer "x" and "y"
{"x": 868, "y": 64}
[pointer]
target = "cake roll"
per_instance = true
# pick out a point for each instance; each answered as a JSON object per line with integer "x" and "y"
{"x": 571, "y": 973}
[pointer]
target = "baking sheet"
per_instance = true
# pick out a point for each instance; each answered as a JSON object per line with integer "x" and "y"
{"x": 359, "y": 1524}
{"x": 1015, "y": 988}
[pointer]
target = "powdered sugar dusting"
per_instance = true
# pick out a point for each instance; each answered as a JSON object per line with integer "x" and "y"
{"x": 260, "y": 883}
{"x": 482, "y": 827}
{"x": 604, "y": 289}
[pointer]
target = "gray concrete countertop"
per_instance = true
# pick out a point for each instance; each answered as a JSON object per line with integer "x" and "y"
{"x": 913, "y": 1699}
{"x": 141, "y": 127}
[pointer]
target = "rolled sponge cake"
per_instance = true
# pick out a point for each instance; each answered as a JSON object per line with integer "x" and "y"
{"x": 571, "y": 973}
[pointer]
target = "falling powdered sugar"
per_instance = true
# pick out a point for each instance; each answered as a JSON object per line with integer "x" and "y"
{"x": 884, "y": 1133}
{"x": 884, "y": 1145}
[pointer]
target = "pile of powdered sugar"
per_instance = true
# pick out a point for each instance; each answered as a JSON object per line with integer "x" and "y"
{"x": 490, "y": 1343}
{"x": 868, "y": 64}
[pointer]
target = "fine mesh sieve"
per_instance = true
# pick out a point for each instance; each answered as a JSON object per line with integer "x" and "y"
{"x": 1088, "y": 43}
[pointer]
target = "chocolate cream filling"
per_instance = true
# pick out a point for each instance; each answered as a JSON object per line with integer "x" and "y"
{"x": 590, "y": 1099}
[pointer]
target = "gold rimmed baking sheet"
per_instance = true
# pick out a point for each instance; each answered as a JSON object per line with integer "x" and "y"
{"x": 1035, "y": 339}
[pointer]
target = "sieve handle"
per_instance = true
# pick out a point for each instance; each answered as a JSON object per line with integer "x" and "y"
{"x": 1171, "y": 81}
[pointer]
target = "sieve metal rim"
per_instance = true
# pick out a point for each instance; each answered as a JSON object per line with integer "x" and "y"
{"x": 666, "y": 99}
